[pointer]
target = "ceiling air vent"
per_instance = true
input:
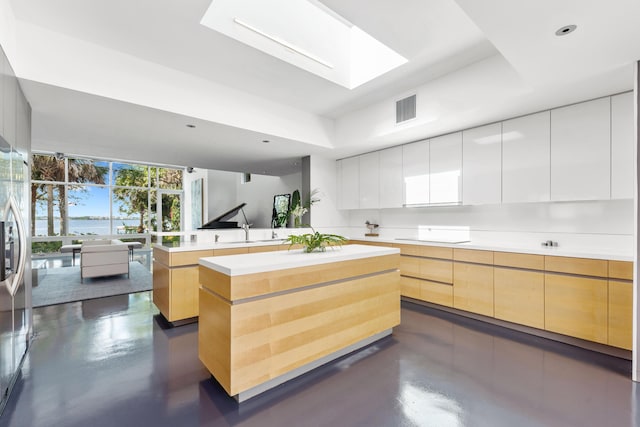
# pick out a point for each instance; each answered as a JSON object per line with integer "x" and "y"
{"x": 406, "y": 109}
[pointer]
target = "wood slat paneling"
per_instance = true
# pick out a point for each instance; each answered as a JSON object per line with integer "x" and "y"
{"x": 620, "y": 314}
{"x": 519, "y": 296}
{"x": 252, "y": 285}
{"x": 582, "y": 266}
{"x": 510, "y": 259}
{"x": 576, "y": 306}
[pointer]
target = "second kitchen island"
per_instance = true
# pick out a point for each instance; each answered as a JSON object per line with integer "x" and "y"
{"x": 266, "y": 318}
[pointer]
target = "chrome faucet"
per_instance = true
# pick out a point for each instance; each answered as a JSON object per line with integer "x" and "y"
{"x": 245, "y": 227}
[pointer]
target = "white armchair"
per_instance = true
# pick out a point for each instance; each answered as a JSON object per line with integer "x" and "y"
{"x": 103, "y": 258}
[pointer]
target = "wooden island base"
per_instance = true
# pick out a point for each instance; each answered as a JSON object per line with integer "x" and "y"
{"x": 260, "y": 329}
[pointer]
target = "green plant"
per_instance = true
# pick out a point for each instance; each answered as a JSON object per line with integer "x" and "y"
{"x": 316, "y": 241}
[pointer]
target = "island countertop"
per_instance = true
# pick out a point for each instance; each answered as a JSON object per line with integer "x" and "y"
{"x": 236, "y": 265}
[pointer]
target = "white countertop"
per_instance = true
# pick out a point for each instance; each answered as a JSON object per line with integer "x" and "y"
{"x": 203, "y": 246}
{"x": 237, "y": 265}
{"x": 593, "y": 252}
{"x": 615, "y": 254}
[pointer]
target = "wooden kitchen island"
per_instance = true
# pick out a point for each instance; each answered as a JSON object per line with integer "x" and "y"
{"x": 266, "y": 318}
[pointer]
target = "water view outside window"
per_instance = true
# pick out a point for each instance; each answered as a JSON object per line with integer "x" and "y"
{"x": 79, "y": 197}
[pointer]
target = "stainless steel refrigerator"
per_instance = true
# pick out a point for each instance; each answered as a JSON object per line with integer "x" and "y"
{"x": 15, "y": 293}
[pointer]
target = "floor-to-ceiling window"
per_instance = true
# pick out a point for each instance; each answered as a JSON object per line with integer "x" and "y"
{"x": 81, "y": 198}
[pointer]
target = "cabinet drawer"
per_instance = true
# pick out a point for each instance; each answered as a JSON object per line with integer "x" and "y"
{"x": 188, "y": 258}
{"x": 436, "y": 270}
{"x": 582, "y": 266}
{"x": 621, "y": 270}
{"x": 472, "y": 255}
{"x": 437, "y": 293}
{"x": 409, "y": 266}
{"x": 410, "y": 287}
{"x": 425, "y": 251}
{"x": 231, "y": 251}
{"x": 519, "y": 296}
{"x": 576, "y": 306}
{"x": 268, "y": 248}
{"x": 510, "y": 259}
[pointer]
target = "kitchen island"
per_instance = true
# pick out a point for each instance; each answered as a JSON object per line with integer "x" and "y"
{"x": 175, "y": 273}
{"x": 266, "y": 318}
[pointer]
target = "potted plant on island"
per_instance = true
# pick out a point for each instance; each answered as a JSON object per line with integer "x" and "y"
{"x": 316, "y": 241}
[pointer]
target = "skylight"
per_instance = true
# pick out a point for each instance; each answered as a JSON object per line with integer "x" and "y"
{"x": 307, "y": 34}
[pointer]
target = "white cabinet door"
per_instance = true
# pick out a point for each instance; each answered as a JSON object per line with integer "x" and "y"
{"x": 391, "y": 178}
{"x": 348, "y": 182}
{"x": 445, "y": 167}
{"x": 369, "y": 181}
{"x": 415, "y": 173}
{"x": 623, "y": 150}
{"x": 580, "y": 151}
{"x": 526, "y": 147}
{"x": 482, "y": 164}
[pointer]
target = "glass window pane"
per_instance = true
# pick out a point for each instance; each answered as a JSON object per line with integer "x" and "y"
{"x": 170, "y": 212}
{"x": 48, "y": 213}
{"x": 88, "y": 171}
{"x": 130, "y": 211}
{"x": 130, "y": 175}
{"x": 170, "y": 179}
{"x": 45, "y": 167}
{"x": 88, "y": 210}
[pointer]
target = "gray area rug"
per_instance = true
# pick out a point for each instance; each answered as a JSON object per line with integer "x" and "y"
{"x": 61, "y": 285}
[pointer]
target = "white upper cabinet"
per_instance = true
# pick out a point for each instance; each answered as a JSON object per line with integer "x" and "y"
{"x": 580, "y": 151}
{"x": 623, "y": 151}
{"x": 445, "y": 167}
{"x": 348, "y": 183}
{"x": 415, "y": 173}
{"x": 482, "y": 164}
{"x": 391, "y": 178}
{"x": 526, "y": 147}
{"x": 369, "y": 176}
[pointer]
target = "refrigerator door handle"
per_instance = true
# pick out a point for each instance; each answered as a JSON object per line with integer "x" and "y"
{"x": 12, "y": 282}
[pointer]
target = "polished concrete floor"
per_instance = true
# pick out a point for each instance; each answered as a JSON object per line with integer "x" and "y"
{"x": 112, "y": 362}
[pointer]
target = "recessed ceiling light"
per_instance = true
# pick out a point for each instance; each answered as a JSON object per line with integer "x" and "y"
{"x": 567, "y": 29}
{"x": 191, "y": 126}
{"x": 265, "y": 141}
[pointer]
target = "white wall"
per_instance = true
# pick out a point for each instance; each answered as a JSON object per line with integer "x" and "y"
{"x": 590, "y": 223}
{"x": 225, "y": 190}
{"x": 221, "y": 192}
{"x": 324, "y": 214}
{"x": 258, "y": 195}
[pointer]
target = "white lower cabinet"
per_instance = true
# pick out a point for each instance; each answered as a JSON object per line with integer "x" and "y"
{"x": 526, "y": 159}
{"x": 482, "y": 165}
{"x": 581, "y": 151}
